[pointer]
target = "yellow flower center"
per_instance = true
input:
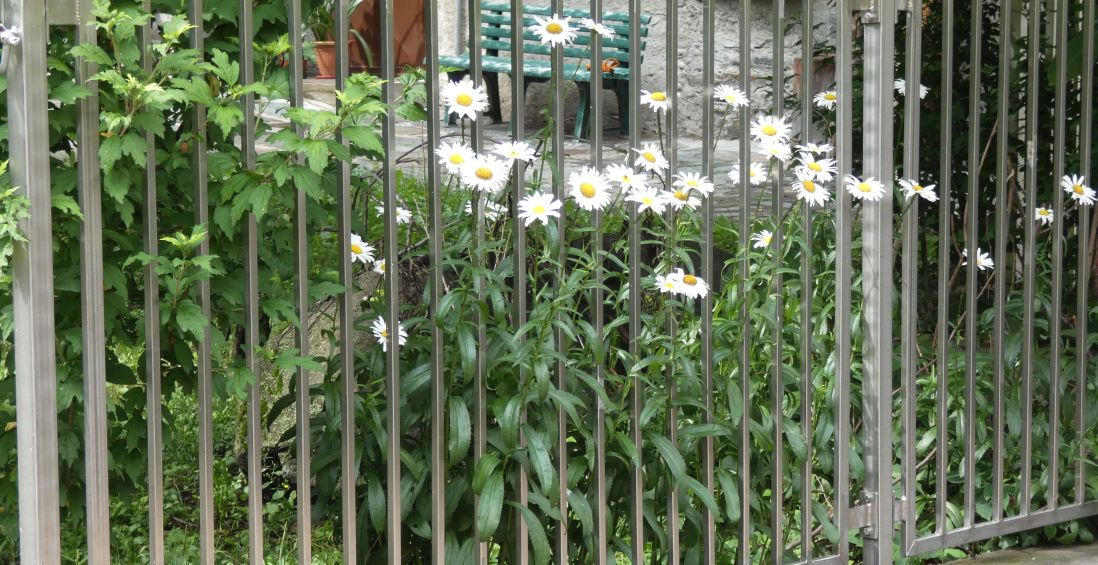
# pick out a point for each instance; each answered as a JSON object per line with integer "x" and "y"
{"x": 831, "y": 96}
{"x": 1042, "y": 212}
{"x": 554, "y": 27}
{"x": 384, "y": 334}
{"x": 809, "y": 186}
{"x": 692, "y": 183}
{"x": 766, "y": 239}
{"x": 769, "y": 130}
{"x": 464, "y": 99}
{"x": 865, "y": 187}
{"x": 356, "y": 249}
{"x": 917, "y": 187}
{"x": 649, "y": 156}
{"x": 751, "y": 173}
{"x": 539, "y": 210}
{"x": 659, "y": 96}
{"x": 647, "y": 201}
{"x": 457, "y": 159}
{"x": 587, "y": 190}
{"x": 1078, "y": 189}
{"x": 681, "y": 195}
{"x": 815, "y": 167}
{"x": 484, "y": 173}
{"x": 690, "y": 280}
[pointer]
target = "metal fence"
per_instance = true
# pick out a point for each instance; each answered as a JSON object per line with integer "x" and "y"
{"x": 878, "y": 414}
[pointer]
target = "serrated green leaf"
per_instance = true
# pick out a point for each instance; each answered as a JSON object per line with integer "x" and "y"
{"x": 190, "y": 319}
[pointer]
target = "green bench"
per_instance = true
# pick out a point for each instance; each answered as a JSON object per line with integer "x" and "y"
{"x": 496, "y": 37}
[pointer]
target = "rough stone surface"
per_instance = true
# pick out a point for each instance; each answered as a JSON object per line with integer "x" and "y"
{"x": 1076, "y": 555}
{"x": 689, "y": 54}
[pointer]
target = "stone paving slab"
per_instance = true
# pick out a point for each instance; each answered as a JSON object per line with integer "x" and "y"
{"x": 1073, "y": 555}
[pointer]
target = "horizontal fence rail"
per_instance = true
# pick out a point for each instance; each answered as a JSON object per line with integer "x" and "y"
{"x": 397, "y": 312}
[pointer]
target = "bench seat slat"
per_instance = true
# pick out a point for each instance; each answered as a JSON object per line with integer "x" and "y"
{"x": 569, "y": 52}
{"x": 574, "y": 13}
{"x": 530, "y": 37}
{"x": 532, "y": 69}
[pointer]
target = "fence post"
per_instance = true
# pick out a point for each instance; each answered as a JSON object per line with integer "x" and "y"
{"x": 879, "y": 20}
{"x": 32, "y": 288}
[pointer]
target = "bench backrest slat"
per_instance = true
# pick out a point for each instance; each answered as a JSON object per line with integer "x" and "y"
{"x": 572, "y": 13}
{"x": 621, "y": 31}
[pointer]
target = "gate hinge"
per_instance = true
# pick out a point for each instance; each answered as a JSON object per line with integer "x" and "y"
{"x": 862, "y": 516}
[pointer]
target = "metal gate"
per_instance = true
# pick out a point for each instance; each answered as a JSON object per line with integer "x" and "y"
{"x": 796, "y": 489}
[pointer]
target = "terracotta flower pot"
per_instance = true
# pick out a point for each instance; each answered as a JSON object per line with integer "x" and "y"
{"x": 325, "y": 59}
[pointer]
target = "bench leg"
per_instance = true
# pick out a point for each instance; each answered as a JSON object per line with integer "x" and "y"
{"x": 583, "y": 113}
{"x": 621, "y": 91}
{"x": 491, "y": 84}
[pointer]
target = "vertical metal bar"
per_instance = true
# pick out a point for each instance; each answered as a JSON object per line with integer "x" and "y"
{"x": 480, "y": 426}
{"x": 602, "y": 542}
{"x": 392, "y": 289}
{"x": 636, "y": 391}
{"x": 518, "y": 188}
{"x": 909, "y": 277}
{"x": 205, "y": 352}
{"x": 972, "y": 241}
{"x": 438, "y": 376}
{"x": 251, "y": 298}
{"x": 32, "y": 289}
{"x": 944, "y": 234}
{"x": 877, "y": 278}
{"x": 1033, "y": 51}
{"x": 708, "y": 525}
{"x": 671, "y": 67}
{"x": 301, "y": 267}
{"x": 154, "y": 406}
{"x": 808, "y": 134}
{"x": 561, "y": 555}
{"x": 777, "y": 381}
{"x": 843, "y": 232}
{"x": 348, "y": 461}
{"x": 1060, "y": 41}
{"x": 1002, "y": 218}
{"x": 1083, "y": 269}
{"x": 91, "y": 292}
{"x": 745, "y": 449}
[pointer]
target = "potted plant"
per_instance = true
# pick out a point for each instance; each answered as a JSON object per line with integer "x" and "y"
{"x": 322, "y": 23}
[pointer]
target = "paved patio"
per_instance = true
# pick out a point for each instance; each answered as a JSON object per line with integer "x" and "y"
{"x": 1072, "y": 555}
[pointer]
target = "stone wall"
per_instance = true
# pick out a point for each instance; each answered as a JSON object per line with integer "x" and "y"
{"x": 454, "y": 24}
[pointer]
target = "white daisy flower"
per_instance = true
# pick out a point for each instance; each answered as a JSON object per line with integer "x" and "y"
{"x": 983, "y": 260}
{"x": 626, "y": 177}
{"x": 590, "y": 189}
{"x": 817, "y": 148}
{"x": 454, "y": 155}
{"x": 402, "y": 216}
{"x": 762, "y": 239}
{"x": 599, "y": 28}
{"x": 912, "y": 187}
{"x": 869, "y": 189}
{"x": 381, "y": 332}
{"x": 486, "y": 173}
{"x": 823, "y": 170}
{"x": 379, "y": 266}
{"x": 732, "y": 96}
{"x": 826, "y": 99}
{"x": 656, "y": 100}
{"x": 650, "y": 158}
{"x": 1044, "y": 215}
{"x": 668, "y": 283}
{"x": 649, "y": 199}
{"x": 491, "y": 210}
{"x": 694, "y": 181}
{"x": 361, "y": 251}
{"x": 808, "y": 190}
{"x": 554, "y": 30}
{"x": 691, "y": 286}
{"x": 514, "y": 151}
{"x": 1075, "y": 185}
{"x": 756, "y": 174}
{"x": 464, "y": 99}
{"x": 901, "y": 86}
{"x": 770, "y": 128}
{"x": 538, "y": 207}
{"x": 680, "y": 197}
{"x": 775, "y": 149}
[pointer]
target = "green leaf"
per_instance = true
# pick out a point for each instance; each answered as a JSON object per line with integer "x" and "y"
{"x": 538, "y": 455}
{"x": 316, "y": 154}
{"x": 92, "y": 54}
{"x": 190, "y": 319}
{"x": 110, "y": 151}
{"x": 538, "y": 540}
{"x": 460, "y": 434}
{"x": 486, "y": 465}
{"x": 365, "y": 138}
{"x": 490, "y": 506}
{"x": 136, "y": 147}
{"x": 375, "y": 502}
